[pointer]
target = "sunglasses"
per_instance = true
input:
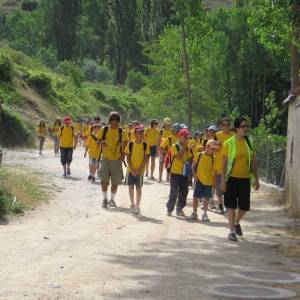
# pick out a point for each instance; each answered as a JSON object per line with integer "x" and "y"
{"x": 155, "y": 123}
{"x": 245, "y": 126}
{"x": 116, "y": 120}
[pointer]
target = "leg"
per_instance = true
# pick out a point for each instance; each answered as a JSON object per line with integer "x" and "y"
{"x": 205, "y": 204}
{"x": 195, "y": 204}
{"x": 114, "y": 189}
{"x": 161, "y": 168}
{"x": 174, "y": 186}
{"x": 231, "y": 218}
{"x": 147, "y": 168}
{"x": 152, "y": 166}
{"x": 230, "y": 200}
{"x": 131, "y": 194}
{"x": 104, "y": 187}
{"x": 239, "y": 216}
{"x": 183, "y": 192}
{"x": 138, "y": 196}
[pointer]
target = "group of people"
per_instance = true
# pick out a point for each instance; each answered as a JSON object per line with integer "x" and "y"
{"x": 220, "y": 162}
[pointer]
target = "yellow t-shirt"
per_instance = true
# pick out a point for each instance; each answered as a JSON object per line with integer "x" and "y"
{"x": 167, "y": 143}
{"x": 66, "y": 136}
{"x": 94, "y": 148}
{"x": 131, "y": 135}
{"x": 152, "y": 136}
{"x": 42, "y": 131}
{"x": 55, "y": 130}
{"x": 77, "y": 128}
{"x": 137, "y": 155}
{"x": 177, "y": 164}
{"x": 165, "y": 133}
{"x": 85, "y": 130}
{"x": 111, "y": 148}
{"x": 240, "y": 168}
{"x": 218, "y": 154}
{"x": 205, "y": 168}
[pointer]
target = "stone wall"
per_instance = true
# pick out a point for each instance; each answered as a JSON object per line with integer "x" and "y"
{"x": 292, "y": 185}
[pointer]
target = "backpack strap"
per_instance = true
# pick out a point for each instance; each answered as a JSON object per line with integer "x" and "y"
{"x": 170, "y": 140}
{"x": 198, "y": 161}
{"x": 62, "y": 128}
{"x": 177, "y": 147}
{"x": 105, "y": 130}
{"x": 94, "y": 138}
{"x": 131, "y": 148}
{"x": 248, "y": 142}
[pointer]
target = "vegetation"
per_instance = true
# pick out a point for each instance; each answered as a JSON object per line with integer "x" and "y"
{"x": 20, "y": 190}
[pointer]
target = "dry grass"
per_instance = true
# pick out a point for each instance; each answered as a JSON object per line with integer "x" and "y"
{"x": 24, "y": 185}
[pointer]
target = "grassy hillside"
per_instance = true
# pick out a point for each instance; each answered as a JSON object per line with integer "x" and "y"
{"x": 30, "y": 91}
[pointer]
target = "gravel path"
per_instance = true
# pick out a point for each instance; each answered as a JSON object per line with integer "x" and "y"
{"x": 70, "y": 248}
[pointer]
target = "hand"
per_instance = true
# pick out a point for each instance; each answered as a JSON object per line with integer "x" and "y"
{"x": 85, "y": 155}
{"x": 224, "y": 186}
{"x": 256, "y": 184}
{"x": 134, "y": 173}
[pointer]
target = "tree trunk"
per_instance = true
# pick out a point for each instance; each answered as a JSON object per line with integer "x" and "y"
{"x": 187, "y": 72}
{"x": 295, "y": 83}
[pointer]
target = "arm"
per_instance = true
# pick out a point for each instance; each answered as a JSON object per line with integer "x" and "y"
{"x": 181, "y": 152}
{"x": 133, "y": 171}
{"x": 194, "y": 171}
{"x": 142, "y": 166}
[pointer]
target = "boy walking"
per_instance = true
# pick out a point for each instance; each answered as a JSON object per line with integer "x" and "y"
{"x": 203, "y": 170}
{"x": 93, "y": 149}
{"x": 137, "y": 155}
{"x": 67, "y": 144}
{"x": 179, "y": 182}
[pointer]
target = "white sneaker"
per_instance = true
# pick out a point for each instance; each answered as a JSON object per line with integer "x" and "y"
{"x": 132, "y": 208}
{"x": 205, "y": 218}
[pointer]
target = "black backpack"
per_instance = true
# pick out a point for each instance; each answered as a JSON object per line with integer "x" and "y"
{"x": 131, "y": 148}
{"x": 105, "y": 133}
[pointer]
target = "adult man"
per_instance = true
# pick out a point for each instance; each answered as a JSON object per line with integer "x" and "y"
{"x": 67, "y": 142}
{"x": 113, "y": 140}
{"x": 238, "y": 163}
{"x": 222, "y": 136}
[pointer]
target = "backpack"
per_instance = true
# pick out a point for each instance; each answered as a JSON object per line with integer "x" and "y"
{"x": 105, "y": 133}
{"x": 198, "y": 161}
{"x": 62, "y": 128}
{"x": 131, "y": 148}
{"x": 248, "y": 142}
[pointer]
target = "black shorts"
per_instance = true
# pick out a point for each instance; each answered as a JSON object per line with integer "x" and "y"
{"x": 66, "y": 155}
{"x": 238, "y": 193}
{"x": 153, "y": 151}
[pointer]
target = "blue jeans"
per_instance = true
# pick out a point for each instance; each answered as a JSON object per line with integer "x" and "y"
{"x": 179, "y": 189}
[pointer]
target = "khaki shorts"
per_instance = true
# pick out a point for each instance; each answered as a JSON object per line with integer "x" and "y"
{"x": 111, "y": 170}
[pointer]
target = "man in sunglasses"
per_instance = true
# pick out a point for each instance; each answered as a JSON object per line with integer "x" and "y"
{"x": 221, "y": 136}
{"x": 113, "y": 140}
{"x": 238, "y": 166}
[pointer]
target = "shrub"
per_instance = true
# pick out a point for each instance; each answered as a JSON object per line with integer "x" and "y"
{"x": 68, "y": 68}
{"x": 94, "y": 72}
{"x": 29, "y": 5}
{"x": 98, "y": 94}
{"x": 6, "y": 67}
{"x": 5, "y": 200}
{"x": 135, "y": 80}
{"x": 41, "y": 82}
{"x": 48, "y": 57}
{"x": 13, "y": 130}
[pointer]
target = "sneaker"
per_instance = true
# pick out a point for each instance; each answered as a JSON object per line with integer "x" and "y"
{"x": 132, "y": 208}
{"x": 137, "y": 210}
{"x": 205, "y": 218}
{"x": 105, "y": 203}
{"x": 202, "y": 207}
{"x": 169, "y": 214}
{"x": 93, "y": 179}
{"x": 221, "y": 209}
{"x": 194, "y": 216}
{"x": 90, "y": 177}
{"x": 112, "y": 203}
{"x": 68, "y": 171}
{"x": 232, "y": 237}
{"x": 65, "y": 175}
{"x": 238, "y": 229}
{"x": 180, "y": 213}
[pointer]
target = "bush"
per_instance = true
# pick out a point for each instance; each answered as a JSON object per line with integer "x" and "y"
{"x": 41, "y": 82}
{"x": 68, "y": 68}
{"x": 29, "y": 5}
{"x": 6, "y": 67}
{"x": 48, "y": 57}
{"x": 94, "y": 72}
{"x": 5, "y": 200}
{"x": 13, "y": 130}
{"x": 135, "y": 80}
{"x": 98, "y": 94}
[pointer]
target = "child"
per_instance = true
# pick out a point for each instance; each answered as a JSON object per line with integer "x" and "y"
{"x": 203, "y": 170}
{"x": 42, "y": 133}
{"x": 55, "y": 129}
{"x": 93, "y": 148}
{"x": 137, "y": 155}
{"x": 179, "y": 182}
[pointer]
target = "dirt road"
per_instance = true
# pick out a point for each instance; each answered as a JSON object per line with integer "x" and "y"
{"x": 71, "y": 248}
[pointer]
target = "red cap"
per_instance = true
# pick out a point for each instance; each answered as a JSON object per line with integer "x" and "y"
{"x": 184, "y": 132}
{"x": 139, "y": 128}
{"x": 67, "y": 120}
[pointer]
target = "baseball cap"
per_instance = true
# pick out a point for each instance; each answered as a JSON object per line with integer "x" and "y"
{"x": 212, "y": 128}
{"x": 167, "y": 121}
{"x": 197, "y": 133}
{"x": 176, "y": 127}
{"x": 183, "y": 126}
{"x": 184, "y": 132}
{"x": 67, "y": 120}
{"x": 139, "y": 128}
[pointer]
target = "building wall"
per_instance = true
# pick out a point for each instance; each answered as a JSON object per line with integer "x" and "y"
{"x": 293, "y": 158}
